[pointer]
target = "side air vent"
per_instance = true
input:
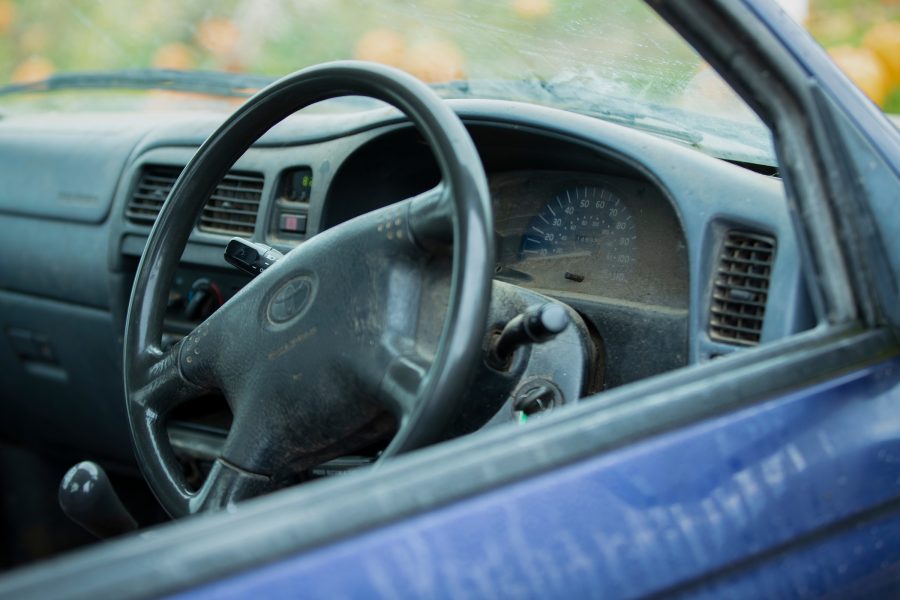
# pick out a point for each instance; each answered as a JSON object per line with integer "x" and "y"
{"x": 741, "y": 288}
{"x": 231, "y": 209}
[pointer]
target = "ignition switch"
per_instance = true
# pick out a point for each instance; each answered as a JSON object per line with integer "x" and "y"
{"x": 536, "y": 396}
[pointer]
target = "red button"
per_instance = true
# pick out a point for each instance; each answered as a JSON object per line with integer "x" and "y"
{"x": 293, "y": 223}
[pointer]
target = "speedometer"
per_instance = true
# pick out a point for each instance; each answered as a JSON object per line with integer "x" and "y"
{"x": 589, "y": 226}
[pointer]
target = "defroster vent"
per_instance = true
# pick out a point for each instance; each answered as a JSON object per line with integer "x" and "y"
{"x": 231, "y": 209}
{"x": 741, "y": 288}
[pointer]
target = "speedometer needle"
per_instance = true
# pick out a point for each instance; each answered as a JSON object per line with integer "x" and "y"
{"x": 540, "y": 256}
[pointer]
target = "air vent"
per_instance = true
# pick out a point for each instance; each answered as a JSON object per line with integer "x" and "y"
{"x": 233, "y": 206}
{"x": 231, "y": 209}
{"x": 152, "y": 190}
{"x": 741, "y": 288}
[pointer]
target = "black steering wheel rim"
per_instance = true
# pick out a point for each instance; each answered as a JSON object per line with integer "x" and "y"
{"x": 464, "y": 185}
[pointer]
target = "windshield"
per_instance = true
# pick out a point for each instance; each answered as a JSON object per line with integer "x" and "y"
{"x": 612, "y": 59}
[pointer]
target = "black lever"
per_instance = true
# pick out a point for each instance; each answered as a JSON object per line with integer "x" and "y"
{"x": 536, "y": 325}
{"x": 250, "y": 257}
{"x": 88, "y": 498}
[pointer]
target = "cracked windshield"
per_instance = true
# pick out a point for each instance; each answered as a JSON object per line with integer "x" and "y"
{"x": 616, "y": 60}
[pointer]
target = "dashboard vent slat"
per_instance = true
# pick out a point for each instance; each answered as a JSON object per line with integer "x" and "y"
{"x": 741, "y": 288}
{"x": 232, "y": 209}
{"x": 236, "y": 211}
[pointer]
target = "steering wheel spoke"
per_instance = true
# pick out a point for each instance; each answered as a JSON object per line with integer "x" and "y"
{"x": 205, "y": 354}
{"x": 401, "y": 388}
{"x": 226, "y": 484}
{"x": 160, "y": 385}
{"x": 431, "y": 219}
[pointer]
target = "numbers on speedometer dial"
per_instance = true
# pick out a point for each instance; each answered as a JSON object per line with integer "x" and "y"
{"x": 590, "y": 227}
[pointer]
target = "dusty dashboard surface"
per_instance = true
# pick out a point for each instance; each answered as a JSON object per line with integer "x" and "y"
{"x": 610, "y": 238}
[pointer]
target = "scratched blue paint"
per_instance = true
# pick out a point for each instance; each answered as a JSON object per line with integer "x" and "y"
{"x": 667, "y": 512}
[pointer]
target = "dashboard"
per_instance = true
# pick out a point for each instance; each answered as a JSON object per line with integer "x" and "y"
{"x": 635, "y": 233}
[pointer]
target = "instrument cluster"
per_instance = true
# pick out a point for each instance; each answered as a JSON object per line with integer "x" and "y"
{"x": 605, "y": 236}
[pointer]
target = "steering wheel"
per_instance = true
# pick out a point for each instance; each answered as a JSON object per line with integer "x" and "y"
{"x": 314, "y": 352}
